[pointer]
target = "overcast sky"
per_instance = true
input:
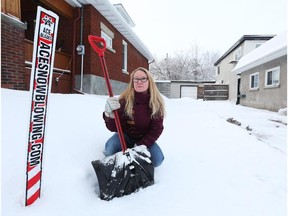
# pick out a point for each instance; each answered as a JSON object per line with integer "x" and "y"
{"x": 169, "y": 25}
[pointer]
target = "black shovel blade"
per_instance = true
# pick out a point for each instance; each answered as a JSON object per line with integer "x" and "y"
{"x": 122, "y": 174}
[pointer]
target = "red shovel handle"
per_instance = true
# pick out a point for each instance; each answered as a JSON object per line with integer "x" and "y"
{"x": 95, "y": 41}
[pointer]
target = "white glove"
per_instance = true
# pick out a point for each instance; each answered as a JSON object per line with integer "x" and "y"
{"x": 112, "y": 104}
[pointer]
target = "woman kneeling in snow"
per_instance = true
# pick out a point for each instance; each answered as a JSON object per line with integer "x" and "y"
{"x": 141, "y": 111}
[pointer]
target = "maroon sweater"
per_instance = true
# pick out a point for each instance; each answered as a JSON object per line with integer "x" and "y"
{"x": 142, "y": 128}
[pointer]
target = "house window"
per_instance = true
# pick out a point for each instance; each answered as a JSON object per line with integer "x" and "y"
{"x": 108, "y": 36}
{"x": 238, "y": 54}
{"x": 272, "y": 77}
{"x": 218, "y": 70}
{"x": 124, "y": 56}
{"x": 257, "y": 45}
{"x": 254, "y": 81}
{"x": 108, "y": 39}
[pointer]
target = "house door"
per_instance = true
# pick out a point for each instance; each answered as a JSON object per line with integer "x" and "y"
{"x": 238, "y": 91}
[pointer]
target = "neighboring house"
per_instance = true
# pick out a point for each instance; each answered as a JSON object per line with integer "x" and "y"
{"x": 264, "y": 75}
{"x": 73, "y": 71}
{"x": 226, "y": 63}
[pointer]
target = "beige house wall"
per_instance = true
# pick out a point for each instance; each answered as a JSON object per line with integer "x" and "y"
{"x": 226, "y": 75}
{"x": 249, "y": 46}
{"x": 261, "y": 98}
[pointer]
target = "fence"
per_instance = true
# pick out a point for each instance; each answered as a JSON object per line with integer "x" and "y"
{"x": 216, "y": 92}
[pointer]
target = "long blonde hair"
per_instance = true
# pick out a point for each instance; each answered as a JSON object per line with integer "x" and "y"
{"x": 156, "y": 102}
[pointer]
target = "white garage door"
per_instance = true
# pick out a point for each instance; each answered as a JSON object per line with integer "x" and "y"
{"x": 189, "y": 91}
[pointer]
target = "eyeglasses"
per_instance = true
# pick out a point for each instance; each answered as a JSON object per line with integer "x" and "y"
{"x": 143, "y": 79}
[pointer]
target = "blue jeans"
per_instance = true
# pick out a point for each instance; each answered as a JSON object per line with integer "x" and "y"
{"x": 113, "y": 145}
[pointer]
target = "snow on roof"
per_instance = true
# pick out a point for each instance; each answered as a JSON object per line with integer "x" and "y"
{"x": 270, "y": 50}
{"x": 119, "y": 7}
{"x": 118, "y": 21}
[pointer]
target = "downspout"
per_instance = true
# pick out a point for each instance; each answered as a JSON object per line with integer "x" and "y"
{"x": 82, "y": 50}
{"x": 74, "y": 51}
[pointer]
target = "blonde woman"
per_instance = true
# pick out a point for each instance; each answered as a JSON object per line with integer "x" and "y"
{"x": 141, "y": 111}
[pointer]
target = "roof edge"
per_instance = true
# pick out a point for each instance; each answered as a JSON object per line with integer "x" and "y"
{"x": 240, "y": 41}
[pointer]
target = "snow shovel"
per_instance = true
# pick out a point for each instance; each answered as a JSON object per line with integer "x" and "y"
{"x": 124, "y": 172}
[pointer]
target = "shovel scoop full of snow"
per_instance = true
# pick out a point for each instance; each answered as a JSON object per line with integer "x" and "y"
{"x": 124, "y": 173}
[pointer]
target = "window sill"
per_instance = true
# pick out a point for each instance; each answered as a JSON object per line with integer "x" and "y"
{"x": 254, "y": 89}
{"x": 272, "y": 86}
{"x": 111, "y": 49}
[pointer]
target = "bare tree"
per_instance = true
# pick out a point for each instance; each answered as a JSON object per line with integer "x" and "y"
{"x": 186, "y": 65}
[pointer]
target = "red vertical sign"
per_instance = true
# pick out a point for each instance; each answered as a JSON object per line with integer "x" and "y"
{"x": 40, "y": 85}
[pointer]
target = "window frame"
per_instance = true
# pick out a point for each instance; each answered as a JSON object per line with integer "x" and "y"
{"x": 273, "y": 71}
{"x": 256, "y": 74}
{"x": 124, "y": 57}
{"x": 257, "y": 45}
{"x": 108, "y": 40}
{"x": 218, "y": 70}
{"x": 108, "y": 36}
{"x": 238, "y": 54}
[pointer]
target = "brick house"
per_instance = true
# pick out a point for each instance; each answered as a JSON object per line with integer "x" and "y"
{"x": 77, "y": 19}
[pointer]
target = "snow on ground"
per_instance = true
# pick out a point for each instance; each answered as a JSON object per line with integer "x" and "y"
{"x": 212, "y": 167}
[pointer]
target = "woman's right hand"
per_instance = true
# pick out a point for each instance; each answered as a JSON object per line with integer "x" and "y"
{"x": 112, "y": 104}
